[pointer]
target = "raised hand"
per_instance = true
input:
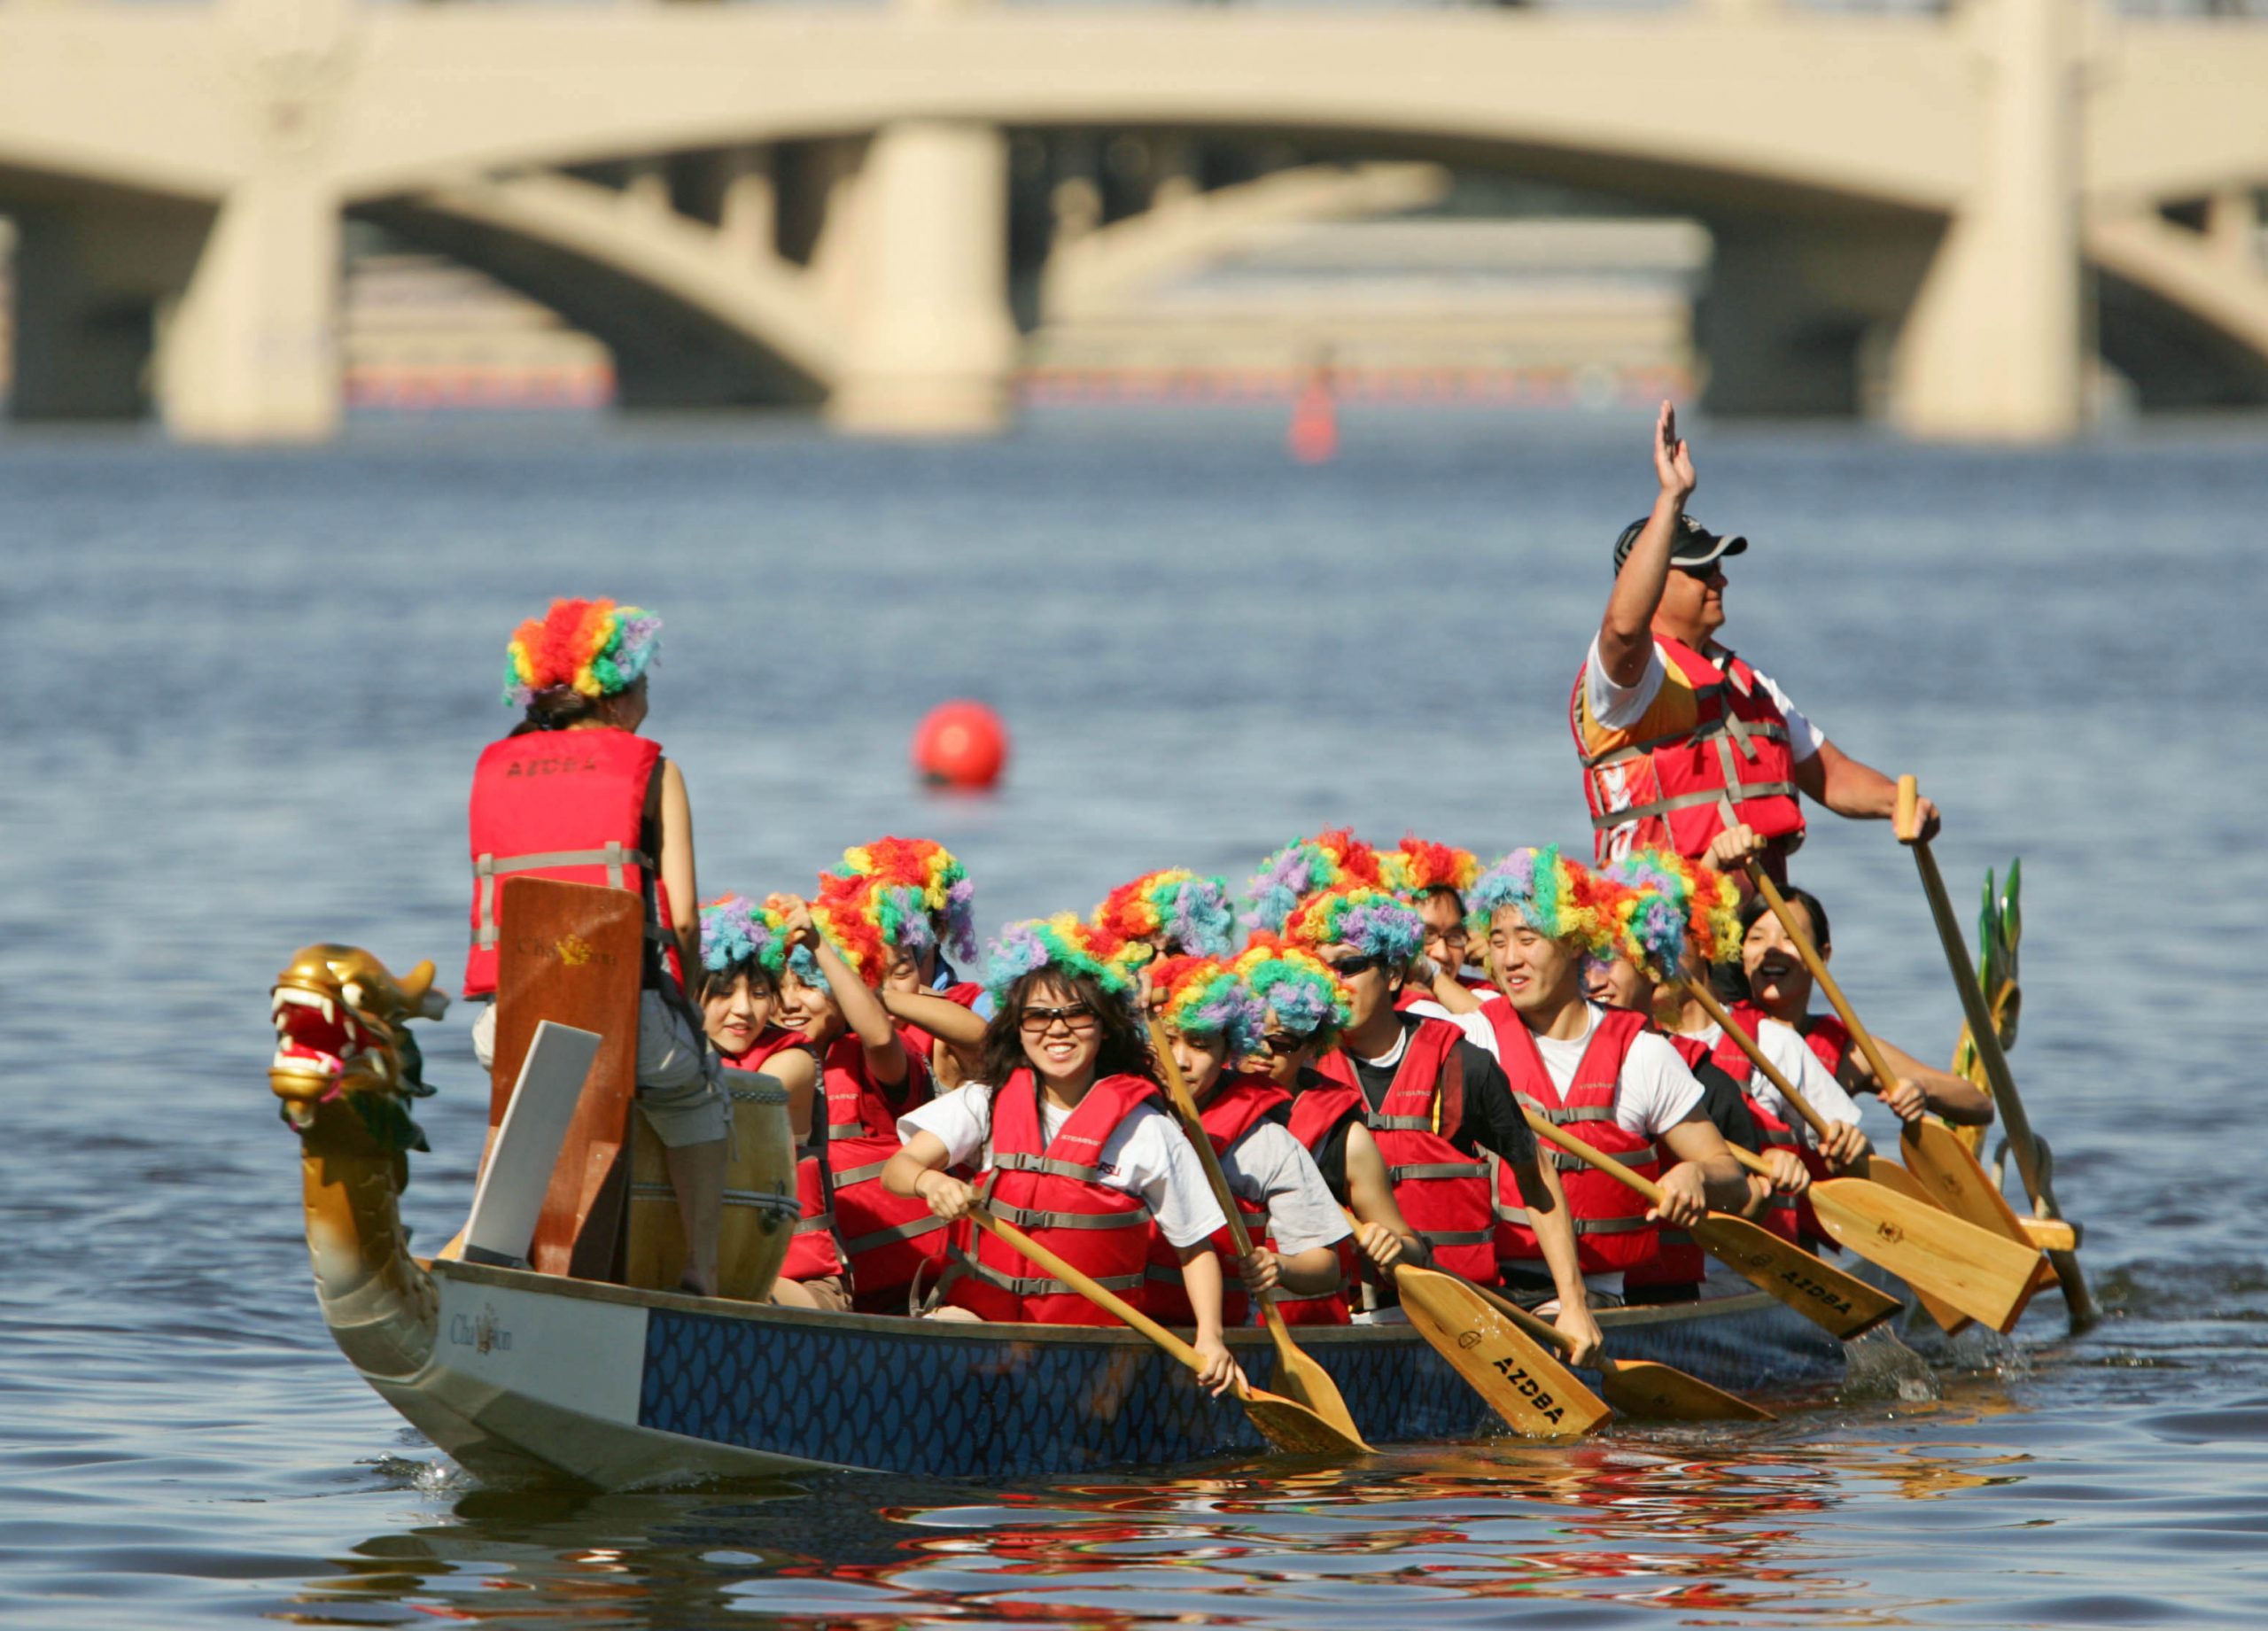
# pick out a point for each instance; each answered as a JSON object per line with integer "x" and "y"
{"x": 1672, "y": 459}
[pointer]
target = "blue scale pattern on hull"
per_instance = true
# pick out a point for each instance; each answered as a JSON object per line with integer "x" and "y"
{"x": 963, "y": 1408}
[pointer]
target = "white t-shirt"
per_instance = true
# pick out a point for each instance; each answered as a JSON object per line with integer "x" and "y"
{"x": 1617, "y": 708}
{"x": 1476, "y": 1027}
{"x": 1656, "y": 1091}
{"x": 1267, "y": 1166}
{"x": 1792, "y": 1056}
{"x": 1145, "y": 1155}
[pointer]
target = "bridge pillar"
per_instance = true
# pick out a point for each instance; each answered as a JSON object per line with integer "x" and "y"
{"x": 89, "y": 278}
{"x": 930, "y": 339}
{"x": 252, "y": 351}
{"x": 1993, "y": 345}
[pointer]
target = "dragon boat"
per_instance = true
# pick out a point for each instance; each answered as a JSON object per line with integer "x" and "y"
{"x": 512, "y": 1368}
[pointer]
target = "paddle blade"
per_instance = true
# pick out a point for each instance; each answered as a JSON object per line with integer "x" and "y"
{"x": 1533, "y": 1393}
{"x": 1662, "y": 1392}
{"x": 1834, "y": 1301}
{"x": 1303, "y": 1380}
{"x": 1296, "y": 1430}
{"x": 1941, "y": 1163}
{"x": 1891, "y": 1175}
{"x": 1985, "y": 1277}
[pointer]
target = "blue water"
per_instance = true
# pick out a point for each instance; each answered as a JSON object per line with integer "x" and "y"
{"x": 244, "y": 692}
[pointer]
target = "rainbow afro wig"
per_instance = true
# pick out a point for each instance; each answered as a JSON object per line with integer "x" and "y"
{"x": 1553, "y": 895}
{"x": 1191, "y": 913}
{"x": 1650, "y": 914}
{"x": 1418, "y": 868}
{"x": 1202, "y": 996}
{"x": 1294, "y": 986}
{"x": 922, "y": 896}
{"x": 735, "y": 931}
{"x": 1068, "y": 946}
{"x": 1707, "y": 903}
{"x": 1361, "y": 915}
{"x": 592, "y": 646}
{"x": 1308, "y": 867}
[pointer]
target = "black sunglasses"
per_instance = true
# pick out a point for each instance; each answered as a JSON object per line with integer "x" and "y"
{"x": 1354, "y": 966}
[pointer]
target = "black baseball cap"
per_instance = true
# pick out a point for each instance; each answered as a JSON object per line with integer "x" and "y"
{"x": 1695, "y": 544}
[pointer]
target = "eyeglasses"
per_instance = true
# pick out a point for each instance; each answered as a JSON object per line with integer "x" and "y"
{"x": 1354, "y": 966}
{"x": 1283, "y": 1044}
{"x": 1076, "y": 1018}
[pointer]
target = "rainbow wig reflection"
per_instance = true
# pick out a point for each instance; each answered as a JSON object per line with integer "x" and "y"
{"x": 1555, "y": 897}
{"x": 1418, "y": 868}
{"x": 594, "y": 647}
{"x": 1308, "y": 867}
{"x": 1064, "y": 943}
{"x": 735, "y": 931}
{"x": 1359, "y": 915}
{"x": 1296, "y": 988}
{"x": 1202, "y": 996}
{"x": 1191, "y": 913}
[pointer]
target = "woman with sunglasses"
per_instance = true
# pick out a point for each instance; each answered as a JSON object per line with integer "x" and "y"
{"x": 1073, "y": 1146}
{"x": 1304, "y": 1006}
{"x": 1211, "y": 1018}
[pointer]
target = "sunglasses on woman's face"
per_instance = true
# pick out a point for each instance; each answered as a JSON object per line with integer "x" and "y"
{"x": 1076, "y": 1018}
{"x": 1283, "y": 1044}
{"x": 1354, "y": 966}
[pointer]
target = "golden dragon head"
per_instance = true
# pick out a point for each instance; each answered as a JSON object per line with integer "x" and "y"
{"x": 342, "y": 1029}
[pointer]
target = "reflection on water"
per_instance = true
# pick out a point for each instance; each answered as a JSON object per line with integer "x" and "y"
{"x": 1680, "y": 1520}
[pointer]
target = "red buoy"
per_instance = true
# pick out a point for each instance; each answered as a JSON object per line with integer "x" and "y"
{"x": 1314, "y": 435}
{"x": 961, "y": 744}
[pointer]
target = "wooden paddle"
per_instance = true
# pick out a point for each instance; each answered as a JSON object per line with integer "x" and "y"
{"x": 2036, "y": 1183}
{"x": 1296, "y": 1373}
{"x": 1967, "y": 1268}
{"x": 1936, "y": 1157}
{"x": 1949, "y": 1316}
{"x": 1286, "y": 1423}
{"x": 1638, "y": 1386}
{"x": 1834, "y": 1301}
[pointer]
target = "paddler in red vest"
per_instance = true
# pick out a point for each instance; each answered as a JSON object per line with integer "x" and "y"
{"x": 1602, "y": 1074}
{"x": 1437, "y": 1106}
{"x": 1779, "y": 987}
{"x": 922, "y": 906}
{"x": 1658, "y": 917}
{"x": 1678, "y": 737}
{"x": 743, "y": 954}
{"x": 870, "y": 1078}
{"x": 574, "y": 793}
{"x": 1075, "y": 1146}
{"x": 1211, "y": 1019}
{"x": 1305, "y": 1006}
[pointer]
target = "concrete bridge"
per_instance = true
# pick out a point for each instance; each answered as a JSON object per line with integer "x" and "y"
{"x": 812, "y": 203}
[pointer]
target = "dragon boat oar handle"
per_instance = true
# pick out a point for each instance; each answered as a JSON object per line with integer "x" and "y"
{"x": 1986, "y": 1037}
{"x": 1288, "y": 1424}
{"x": 1839, "y": 1304}
{"x": 1301, "y": 1376}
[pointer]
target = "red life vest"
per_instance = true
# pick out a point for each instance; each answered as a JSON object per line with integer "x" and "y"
{"x": 813, "y": 1254}
{"x": 1237, "y": 1106}
{"x": 1053, "y": 1194}
{"x": 1789, "y": 1216}
{"x": 1611, "y": 1233}
{"x": 566, "y": 804}
{"x": 1444, "y": 1193}
{"x": 1318, "y": 1113}
{"x": 1828, "y": 1037}
{"x": 1680, "y": 1262}
{"x": 888, "y": 1240}
{"x": 1732, "y": 764}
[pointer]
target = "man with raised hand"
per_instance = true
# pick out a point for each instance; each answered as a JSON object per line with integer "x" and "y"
{"x": 1680, "y": 738}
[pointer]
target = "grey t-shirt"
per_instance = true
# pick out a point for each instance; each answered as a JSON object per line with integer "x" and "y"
{"x": 1267, "y": 1167}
